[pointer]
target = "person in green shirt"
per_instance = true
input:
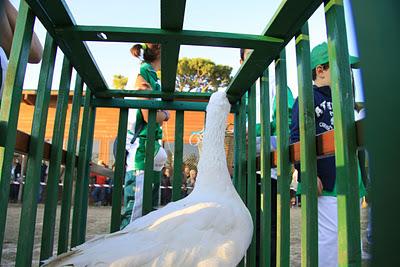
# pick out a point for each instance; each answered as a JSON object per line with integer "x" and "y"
{"x": 147, "y": 79}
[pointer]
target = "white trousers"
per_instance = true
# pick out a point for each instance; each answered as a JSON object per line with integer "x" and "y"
{"x": 327, "y": 232}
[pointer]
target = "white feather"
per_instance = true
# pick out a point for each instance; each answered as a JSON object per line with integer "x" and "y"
{"x": 210, "y": 227}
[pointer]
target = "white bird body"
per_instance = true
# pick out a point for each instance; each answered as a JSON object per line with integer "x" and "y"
{"x": 210, "y": 227}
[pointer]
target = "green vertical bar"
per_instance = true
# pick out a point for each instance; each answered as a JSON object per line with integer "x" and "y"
{"x": 85, "y": 175}
{"x": 308, "y": 159}
{"x": 119, "y": 172}
{"x": 266, "y": 207}
{"x": 345, "y": 137}
{"x": 80, "y": 172}
{"x": 31, "y": 187}
{"x": 49, "y": 217}
{"x": 10, "y": 103}
{"x": 70, "y": 168}
{"x": 251, "y": 173}
{"x": 242, "y": 150}
{"x": 149, "y": 162}
{"x": 178, "y": 155}
{"x": 283, "y": 168}
{"x": 236, "y": 158}
{"x": 380, "y": 60}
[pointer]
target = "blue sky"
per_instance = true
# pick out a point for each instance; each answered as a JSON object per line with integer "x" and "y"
{"x": 210, "y": 15}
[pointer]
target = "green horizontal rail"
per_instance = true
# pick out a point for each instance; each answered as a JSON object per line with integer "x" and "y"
{"x": 183, "y": 37}
{"x": 153, "y": 94}
{"x": 172, "y": 15}
{"x": 55, "y": 14}
{"x": 287, "y": 21}
{"x": 152, "y": 104}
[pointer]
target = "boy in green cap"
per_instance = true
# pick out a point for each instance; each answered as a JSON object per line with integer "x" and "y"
{"x": 326, "y": 168}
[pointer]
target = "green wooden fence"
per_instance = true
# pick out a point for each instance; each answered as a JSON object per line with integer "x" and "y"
{"x": 289, "y": 21}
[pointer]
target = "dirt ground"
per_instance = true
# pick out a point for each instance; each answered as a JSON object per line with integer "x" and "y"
{"x": 99, "y": 222}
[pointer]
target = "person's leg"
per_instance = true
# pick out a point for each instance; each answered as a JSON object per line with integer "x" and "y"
{"x": 129, "y": 198}
{"x": 138, "y": 205}
{"x": 327, "y": 232}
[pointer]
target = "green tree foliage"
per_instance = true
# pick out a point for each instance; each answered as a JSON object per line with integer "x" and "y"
{"x": 201, "y": 75}
{"x": 119, "y": 81}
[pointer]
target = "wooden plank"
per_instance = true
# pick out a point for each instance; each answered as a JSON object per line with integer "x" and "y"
{"x": 10, "y": 103}
{"x": 49, "y": 217}
{"x": 33, "y": 172}
{"x": 172, "y": 15}
{"x": 63, "y": 235}
{"x": 149, "y": 163}
{"x": 283, "y": 165}
{"x": 119, "y": 171}
{"x": 287, "y": 21}
{"x": 251, "y": 174}
{"x": 348, "y": 198}
{"x": 164, "y": 36}
{"x": 178, "y": 156}
{"x": 309, "y": 209}
{"x": 56, "y": 14}
{"x": 265, "y": 167}
{"x": 380, "y": 68}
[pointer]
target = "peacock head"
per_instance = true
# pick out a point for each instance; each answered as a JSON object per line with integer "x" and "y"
{"x": 218, "y": 104}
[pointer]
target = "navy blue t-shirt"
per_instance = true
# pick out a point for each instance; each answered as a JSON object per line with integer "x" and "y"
{"x": 326, "y": 169}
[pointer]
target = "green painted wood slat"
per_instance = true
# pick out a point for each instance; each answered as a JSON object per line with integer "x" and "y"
{"x": 251, "y": 173}
{"x": 345, "y": 137}
{"x": 149, "y": 163}
{"x": 379, "y": 54}
{"x": 178, "y": 155}
{"x": 119, "y": 174}
{"x": 10, "y": 102}
{"x": 70, "y": 168}
{"x": 49, "y": 217}
{"x": 283, "y": 165}
{"x": 308, "y": 158}
{"x": 35, "y": 155}
{"x": 265, "y": 162}
{"x": 80, "y": 172}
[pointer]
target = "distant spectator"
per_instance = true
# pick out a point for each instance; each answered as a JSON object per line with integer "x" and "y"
{"x": 16, "y": 177}
{"x": 191, "y": 181}
{"x": 43, "y": 174}
{"x": 99, "y": 191}
{"x": 166, "y": 191}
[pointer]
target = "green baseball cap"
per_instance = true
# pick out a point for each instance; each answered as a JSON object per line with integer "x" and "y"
{"x": 319, "y": 56}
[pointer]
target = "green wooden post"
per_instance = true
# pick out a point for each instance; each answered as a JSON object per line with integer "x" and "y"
{"x": 266, "y": 207}
{"x": 86, "y": 173}
{"x": 32, "y": 181}
{"x": 49, "y": 217}
{"x": 10, "y": 104}
{"x": 242, "y": 150}
{"x": 348, "y": 198}
{"x": 80, "y": 171}
{"x": 149, "y": 163}
{"x": 178, "y": 155}
{"x": 308, "y": 159}
{"x": 283, "y": 168}
{"x": 380, "y": 60}
{"x": 236, "y": 132}
{"x": 251, "y": 173}
{"x": 70, "y": 168}
{"x": 119, "y": 173}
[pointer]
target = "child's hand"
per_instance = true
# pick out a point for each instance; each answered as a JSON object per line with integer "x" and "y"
{"x": 319, "y": 186}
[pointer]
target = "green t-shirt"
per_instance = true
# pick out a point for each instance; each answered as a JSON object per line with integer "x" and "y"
{"x": 273, "y": 122}
{"x": 334, "y": 192}
{"x": 149, "y": 74}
